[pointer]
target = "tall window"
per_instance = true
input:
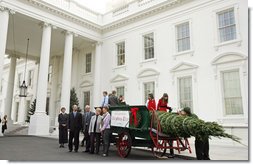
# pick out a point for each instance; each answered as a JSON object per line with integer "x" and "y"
{"x": 50, "y": 72}
{"x": 88, "y": 63}
{"x": 148, "y": 88}
{"x": 86, "y": 98}
{"x": 185, "y": 92}
{"x": 183, "y": 37}
{"x": 149, "y": 45}
{"x": 232, "y": 93}
{"x": 20, "y": 79}
{"x": 227, "y": 26}
{"x": 121, "y": 53}
{"x": 30, "y": 77}
{"x": 120, "y": 91}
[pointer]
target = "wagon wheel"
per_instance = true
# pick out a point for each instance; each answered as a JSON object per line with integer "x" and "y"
{"x": 160, "y": 151}
{"x": 124, "y": 144}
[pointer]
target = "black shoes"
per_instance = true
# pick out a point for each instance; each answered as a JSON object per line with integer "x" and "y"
{"x": 62, "y": 146}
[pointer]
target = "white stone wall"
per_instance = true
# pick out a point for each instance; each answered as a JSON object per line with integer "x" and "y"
{"x": 204, "y": 62}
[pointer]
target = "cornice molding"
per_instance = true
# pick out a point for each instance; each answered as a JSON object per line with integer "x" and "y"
{"x": 111, "y": 26}
{"x": 143, "y": 14}
{"x": 66, "y": 15}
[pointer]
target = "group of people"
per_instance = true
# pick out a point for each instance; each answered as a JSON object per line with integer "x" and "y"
{"x": 97, "y": 125}
{"x": 112, "y": 99}
{"x": 4, "y": 123}
{"x": 162, "y": 103}
{"x": 93, "y": 125}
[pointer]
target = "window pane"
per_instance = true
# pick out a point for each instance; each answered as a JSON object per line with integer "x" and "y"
{"x": 120, "y": 91}
{"x": 148, "y": 88}
{"x": 148, "y": 46}
{"x": 121, "y": 53}
{"x": 88, "y": 63}
{"x": 232, "y": 93}
{"x": 227, "y": 27}
{"x": 183, "y": 37}
{"x": 185, "y": 92}
{"x": 86, "y": 97}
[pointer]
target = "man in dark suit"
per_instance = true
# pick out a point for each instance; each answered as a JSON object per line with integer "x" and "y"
{"x": 75, "y": 125}
{"x": 113, "y": 100}
{"x": 86, "y": 123}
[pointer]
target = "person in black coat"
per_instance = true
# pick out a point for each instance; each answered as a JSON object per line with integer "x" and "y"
{"x": 113, "y": 100}
{"x": 74, "y": 126}
{"x": 201, "y": 143}
{"x": 86, "y": 123}
{"x": 63, "y": 127}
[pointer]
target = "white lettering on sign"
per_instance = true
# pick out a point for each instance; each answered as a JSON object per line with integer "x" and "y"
{"x": 120, "y": 118}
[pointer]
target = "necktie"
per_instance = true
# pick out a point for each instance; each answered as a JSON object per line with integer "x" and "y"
{"x": 74, "y": 114}
{"x": 95, "y": 126}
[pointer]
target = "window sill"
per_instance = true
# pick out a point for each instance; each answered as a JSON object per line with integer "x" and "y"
{"x": 238, "y": 42}
{"x": 233, "y": 121}
{"x": 87, "y": 74}
{"x": 187, "y": 52}
{"x": 119, "y": 67}
{"x": 153, "y": 60}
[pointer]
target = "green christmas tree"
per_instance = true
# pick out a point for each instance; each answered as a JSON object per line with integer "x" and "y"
{"x": 31, "y": 110}
{"x": 73, "y": 99}
{"x": 186, "y": 126}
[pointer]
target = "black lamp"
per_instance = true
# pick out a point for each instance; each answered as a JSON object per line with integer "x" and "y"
{"x": 23, "y": 87}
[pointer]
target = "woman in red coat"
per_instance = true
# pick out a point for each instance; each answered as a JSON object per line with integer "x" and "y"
{"x": 151, "y": 104}
{"x": 163, "y": 103}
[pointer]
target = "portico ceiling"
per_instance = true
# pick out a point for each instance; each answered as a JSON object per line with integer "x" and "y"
{"x": 27, "y": 27}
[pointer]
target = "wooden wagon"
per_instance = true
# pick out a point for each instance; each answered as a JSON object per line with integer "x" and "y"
{"x": 137, "y": 126}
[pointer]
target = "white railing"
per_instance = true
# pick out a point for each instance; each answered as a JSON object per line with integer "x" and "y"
{"x": 76, "y": 9}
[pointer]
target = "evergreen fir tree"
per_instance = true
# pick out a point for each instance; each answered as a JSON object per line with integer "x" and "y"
{"x": 31, "y": 110}
{"x": 73, "y": 99}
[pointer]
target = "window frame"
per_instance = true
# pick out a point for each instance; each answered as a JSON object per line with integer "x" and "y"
{"x": 182, "y": 38}
{"x": 90, "y": 63}
{"x": 223, "y": 92}
{"x": 118, "y": 55}
{"x": 238, "y": 40}
{"x": 143, "y": 46}
{"x": 179, "y": 88}
{"x": 221, "y": 40}
{"x": 145, "y": 96}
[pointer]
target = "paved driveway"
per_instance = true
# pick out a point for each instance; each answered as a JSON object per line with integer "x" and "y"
{"x": 31, "y": 148}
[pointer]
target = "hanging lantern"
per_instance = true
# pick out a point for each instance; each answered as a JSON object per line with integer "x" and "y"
{"x": 23, "y": 90}
{"x": 23, "y": 87}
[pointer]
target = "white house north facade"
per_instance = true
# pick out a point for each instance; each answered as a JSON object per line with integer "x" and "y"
{"x": 194, "y": 50}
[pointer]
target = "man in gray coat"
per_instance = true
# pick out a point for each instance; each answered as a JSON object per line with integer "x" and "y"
{"x": 86, "y": 123}
{"x": 94, "y": 130}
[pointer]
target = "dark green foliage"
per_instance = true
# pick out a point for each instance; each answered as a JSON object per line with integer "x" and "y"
{"x": 186, "y": 126}
{"x": 31, "y": 110}
{"x": 73, "y": 99}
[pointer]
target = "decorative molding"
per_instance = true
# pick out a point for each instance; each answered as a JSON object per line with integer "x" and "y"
{"x": 119, "y": 77}
{"x": 228, "y": 57}
{"x": 132, "y": 18}
{"x": 148, "y": 72}
{"x": 85, "y": 83}
{"x": 183, "y": 66}
{"x": 66, "y": 15}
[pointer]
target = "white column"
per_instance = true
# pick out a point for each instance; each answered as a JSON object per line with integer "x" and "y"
{"x": 22, "y": 110}
{"x": 4, "y": 19}
{"x": 39, "y": 123}
{"x": 10, "y": 88}
{"x": 97, "y": 95}
{"x": 66, "y": 75}
{"x": 52, "y": 103}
